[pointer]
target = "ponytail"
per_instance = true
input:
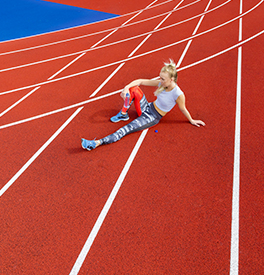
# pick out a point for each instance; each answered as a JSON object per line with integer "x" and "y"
{"x": 169, "y": 68}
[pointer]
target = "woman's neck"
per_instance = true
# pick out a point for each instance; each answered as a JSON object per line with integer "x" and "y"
{"x": 170, "y": 87}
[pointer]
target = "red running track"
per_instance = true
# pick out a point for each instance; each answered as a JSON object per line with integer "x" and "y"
{"x": 168, "y": 207}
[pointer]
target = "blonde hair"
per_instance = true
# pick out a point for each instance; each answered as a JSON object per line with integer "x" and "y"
{"x": 169, "y": 68}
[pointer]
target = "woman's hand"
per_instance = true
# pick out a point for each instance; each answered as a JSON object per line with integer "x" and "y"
{"x": 181, "y": 103}
{"x": 197, "y": 123}
{"x": 138, "y": 82}
{"x": 123, "y": 93}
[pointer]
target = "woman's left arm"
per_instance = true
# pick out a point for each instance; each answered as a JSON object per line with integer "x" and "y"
{"x": 181, "y": 103}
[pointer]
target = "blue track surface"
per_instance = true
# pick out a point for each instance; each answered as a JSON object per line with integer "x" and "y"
{"x": 23, "y": 18}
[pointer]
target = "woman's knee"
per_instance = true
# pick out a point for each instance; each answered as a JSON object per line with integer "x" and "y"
{"x": 136, "y": 92}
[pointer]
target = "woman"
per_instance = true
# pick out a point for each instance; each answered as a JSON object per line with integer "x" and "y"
{"x": 168, "y": 95}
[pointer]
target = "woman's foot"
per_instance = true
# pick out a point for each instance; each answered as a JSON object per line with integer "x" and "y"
{"x": 90, "y": 144}
{"x": 120, "y": 116}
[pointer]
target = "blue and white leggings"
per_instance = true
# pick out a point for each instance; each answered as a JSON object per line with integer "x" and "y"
{"x": 148, "y": 118}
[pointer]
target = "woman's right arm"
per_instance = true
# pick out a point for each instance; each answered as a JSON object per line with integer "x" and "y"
{"x": 138, "y": 82}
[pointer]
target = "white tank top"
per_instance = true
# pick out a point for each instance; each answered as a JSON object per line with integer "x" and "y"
{"x": 167, "y": 100}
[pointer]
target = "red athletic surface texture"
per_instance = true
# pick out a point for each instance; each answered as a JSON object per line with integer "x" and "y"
{"x": 173, "y": 211}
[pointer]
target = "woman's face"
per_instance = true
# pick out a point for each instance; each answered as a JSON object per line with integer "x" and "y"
{"x": 165, "y": 80}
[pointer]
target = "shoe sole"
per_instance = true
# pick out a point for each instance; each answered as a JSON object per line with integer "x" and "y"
{"x": 120, "y": 120}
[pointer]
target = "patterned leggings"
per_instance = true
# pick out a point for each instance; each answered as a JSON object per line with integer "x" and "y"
{"x": 148, "y": 118}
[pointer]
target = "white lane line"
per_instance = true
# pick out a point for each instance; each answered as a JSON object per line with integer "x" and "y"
{"x": 234, "y": 255}
{"x": 32, "y": 159}
{"x": 104, "y": 212}
{"x": 68, "y": 65}
{"x": 234, "y": 250}
{"x": 106, "y": 81}
{"x": 19, "y": 101}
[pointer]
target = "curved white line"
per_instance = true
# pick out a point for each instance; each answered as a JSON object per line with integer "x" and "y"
{"x": 92, "y": 34}
{"x": 116, "y": 92}
{"x": 129, "y": 58}
{"x": 114, "y": 43}
{"x": 88, "y": 24}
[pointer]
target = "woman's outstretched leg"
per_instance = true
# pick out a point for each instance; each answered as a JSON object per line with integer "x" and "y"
{"x": 149, "y": 118}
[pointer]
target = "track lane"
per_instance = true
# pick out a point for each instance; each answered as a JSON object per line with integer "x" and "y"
{"x": 251, "y": 198}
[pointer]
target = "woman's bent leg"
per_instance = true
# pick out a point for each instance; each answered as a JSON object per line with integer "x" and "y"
{"x": 139, "y": 99}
